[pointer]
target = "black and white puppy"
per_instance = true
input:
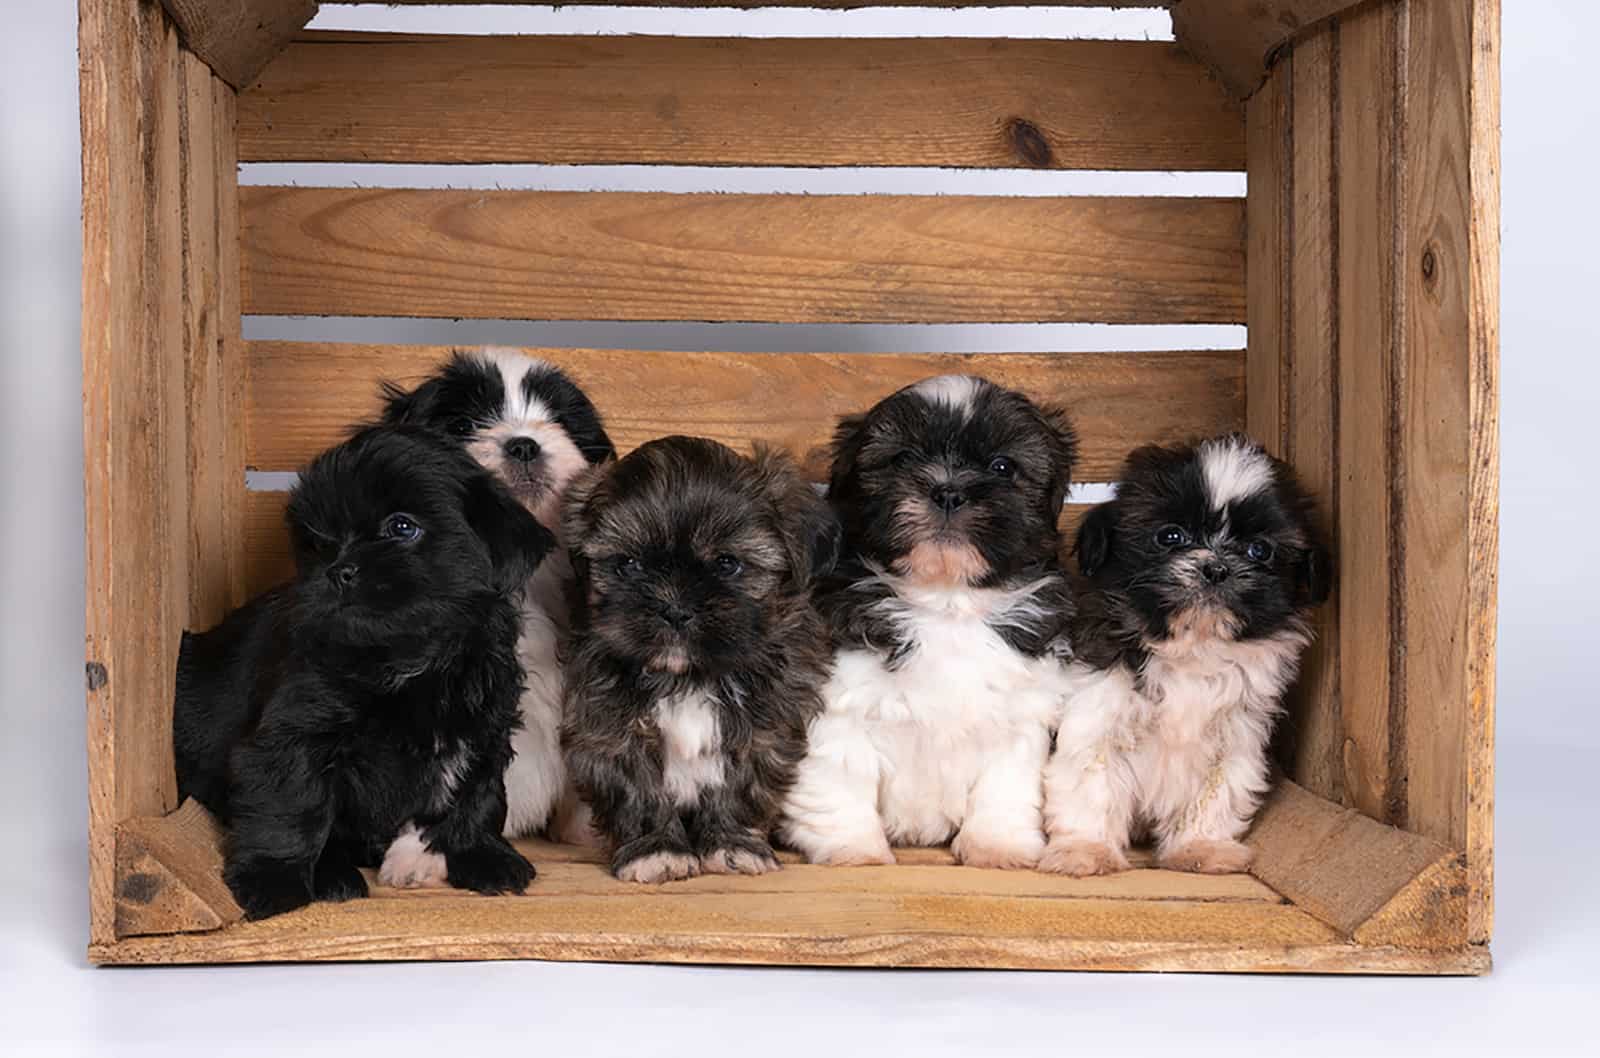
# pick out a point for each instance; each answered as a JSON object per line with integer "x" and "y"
{"x": 1202, "y": 572}
{"x": 697, "y": 656}
{"x": 531, "y": 425}
{"x": 950, "y": 611}
{"x": 377, "y": 691}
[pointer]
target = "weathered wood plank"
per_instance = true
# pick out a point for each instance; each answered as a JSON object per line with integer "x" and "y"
{"x": 1270, "y": 217}
{"x": 236, "y": 38}
{"x": 820, "y": 4}
{"x": 1053, "y": 104}
{"x": 1314, "y": 728}
{"x": 304, "y": 395}
{"x": 1239, "y": 39}
{"x": 136, "y": 567}
{"x": 777, "y": 258}
{"x": 169, "y": 875}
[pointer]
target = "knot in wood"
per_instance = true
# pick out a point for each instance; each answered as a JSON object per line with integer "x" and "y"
{"x": 1028, "y": 142}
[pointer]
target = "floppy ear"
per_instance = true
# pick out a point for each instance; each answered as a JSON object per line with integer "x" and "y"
{"x": 1096, "y": 537}
{"x": 399, "y": 403}
{"x": 1316, "y": 576}
{"x": 811, "y": 532}
{"x": 1063, "y": 454}
{"x": 516, "y": 541}
{"x": 848, "y": 439}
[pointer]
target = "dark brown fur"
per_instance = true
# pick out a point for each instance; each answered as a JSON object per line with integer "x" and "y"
{"x": 656, "y": 618}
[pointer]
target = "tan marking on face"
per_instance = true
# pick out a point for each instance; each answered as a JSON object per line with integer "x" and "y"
{"x": 674, "y": 660}
{"x": 1202, "y": 624}
{"x": 952, "y": 562}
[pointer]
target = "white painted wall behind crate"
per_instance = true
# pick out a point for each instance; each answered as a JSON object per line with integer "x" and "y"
{"x": 1546, "y": 928}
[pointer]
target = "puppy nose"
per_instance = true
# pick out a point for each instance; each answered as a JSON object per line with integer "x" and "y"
{"x": 343, "y": 575}
{"x": 1215, "y": 572}
{"x": 675, "y": 615}
{"x": 522, "y": 449}
{"x": 948, "y": 498}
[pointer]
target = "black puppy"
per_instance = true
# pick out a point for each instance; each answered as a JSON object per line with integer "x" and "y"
{"x": 697, "y": 657}
{"x": 378, "y": 691}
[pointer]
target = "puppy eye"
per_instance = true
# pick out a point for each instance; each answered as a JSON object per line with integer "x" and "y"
{"x": 1000, "y": 466}
{"x": 1171, "y": 536}
{"x": 629, "y": 567}
{"x": 1258, "y": 551}
{"x": 401, "y": 527}
{"x": 462, "y": 427}
{"x": 728, "y": 566}
{"x": 904, "y": 458}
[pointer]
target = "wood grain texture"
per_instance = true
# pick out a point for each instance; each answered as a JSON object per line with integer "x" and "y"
{"x": 1046, "y": 104}
{"x": 268, "y": 561}
{"x": 1269, "y": 124}
{"x": 236, "y": 38}
{"x": 1313, "y": 728}
{"x": 1240, "y": 39}
{"x": 775, "y": 258}
{"x": 820, "y": 4}
{"x": 169, "y": 875}
{"x": 1368, "y": 190}
{"x": 136, "y": 569}
{"x": 1430, "y": 912}
{"x": 304, "y": 395}
{"x": 1344, "y": 868}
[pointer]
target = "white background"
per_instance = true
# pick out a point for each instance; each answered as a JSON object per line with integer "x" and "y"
{"x": 1538, "y": 1000}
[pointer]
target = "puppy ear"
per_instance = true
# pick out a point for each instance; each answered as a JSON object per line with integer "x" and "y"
{"x": 1316, "y": 576}
{"x": 580, "y": 504}
{"x": 849, "y": 437}
{"x": 1096, "y": 537}
{"x": 516, "y": 541}
{"x": 1064, "y": 453}
{"x": 811, "y": 532}
{"x": 399, "y": 403}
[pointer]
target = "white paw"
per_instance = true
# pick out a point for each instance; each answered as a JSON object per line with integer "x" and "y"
{"x": 1080, "y": 859}
{"x": 1009, "y": 853}
{"x": 738, "y": 861}
{"x": 659, "y": 867}
{"x": 1205, "y": 856}
{"x": 865, "y": 854}
{"x": 410, "y": 865}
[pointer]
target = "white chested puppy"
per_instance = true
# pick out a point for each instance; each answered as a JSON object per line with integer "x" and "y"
{"x": 1202, "y": 574}
{"x": 948, "y": 613}
{"x": 530, "y": 425}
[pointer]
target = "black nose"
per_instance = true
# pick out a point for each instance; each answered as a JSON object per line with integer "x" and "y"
{"x": 522, "y": 449}
{"x": 1215, "y": 572}
{"x": 948, "y": 498}
{"x": 342, "y": 575}
{"x": 676, "y": 616}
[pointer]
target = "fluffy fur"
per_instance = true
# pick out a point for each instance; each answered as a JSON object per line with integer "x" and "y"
{"x": 532, "y": 426}
{"x": 1203, "y": 572}
{"x": 375, "y": 693}
{"x": 949, "y": 611}
{"x": 697, "y": 654}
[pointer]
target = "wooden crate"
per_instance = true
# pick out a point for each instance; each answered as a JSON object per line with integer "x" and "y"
{"x": 1364, "y": 260}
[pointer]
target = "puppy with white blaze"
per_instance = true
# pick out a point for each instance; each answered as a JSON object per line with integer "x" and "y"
{"x": 529, "y": 424}
{"x": 1202, "y": 574}
{"x": 949, "y": 612}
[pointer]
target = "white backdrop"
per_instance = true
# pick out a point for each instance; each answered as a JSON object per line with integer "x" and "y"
{"x": 1549, "y": 732}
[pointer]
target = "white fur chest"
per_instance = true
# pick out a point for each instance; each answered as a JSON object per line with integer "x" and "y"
{"x": 1194, "y": 685}
{"x": 691, "y": 745}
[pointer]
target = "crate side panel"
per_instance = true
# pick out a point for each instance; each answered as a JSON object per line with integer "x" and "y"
{"x": 610, "y": 100}
{"x": 758, "y": 258}
{"x": 1269, "y": 241}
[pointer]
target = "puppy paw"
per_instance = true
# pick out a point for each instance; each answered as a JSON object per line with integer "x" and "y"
{"x": 657, "y": 867}
{"x": 880, "y": 855}
{"x": 981, "y": 850}
{"x": 337, "y": 881}
{"x": 1080, "y": 859}
{"x": 490, "y": 869}
{"x": 410, "y": 865}
{"x": 1205, "y": 856}
{"x": 740, "y": 860}
{"x": 266, "y": 889}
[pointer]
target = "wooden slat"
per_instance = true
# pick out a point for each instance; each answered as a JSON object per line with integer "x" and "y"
{"x": 1449, "y": 432}
{"x": 169, "y": 874}
{"x": 1055, "y": 104}
{"x": 1239, "y": 39}
{"x": 1313, "y": 379}
{"x": 134, "y": 448}
{"x": 1348, "y": 870}
{"x": 267, "y": 561}
{"x": 236, "y": 38}
{"x": 304, "y": 395}
{"x": 1268, "y": 204}
{"x": 1368, "y": 313}
{"x": 820, "y": 4}
{"x": 777, "y": 258}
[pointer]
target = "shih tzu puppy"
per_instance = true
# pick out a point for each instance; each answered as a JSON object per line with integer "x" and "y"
{"x": 697, "y": 656}
{"x": 1202, "y": 574}
{"x": 949, "y": 611}
{"x": 530, "y": 425}
{"x": 374, "y": 696}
